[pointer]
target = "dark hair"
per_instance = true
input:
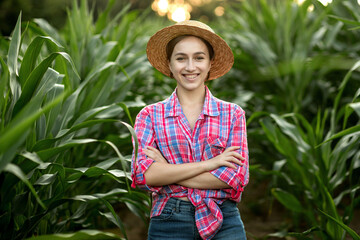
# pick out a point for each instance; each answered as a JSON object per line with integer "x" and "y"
{"x": 171, "y": 45}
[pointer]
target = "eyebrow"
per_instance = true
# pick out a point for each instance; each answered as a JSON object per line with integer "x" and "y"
{"x": 197, "y": 53}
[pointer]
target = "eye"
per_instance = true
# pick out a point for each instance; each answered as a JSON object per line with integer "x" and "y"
{"x": 199, "y": 58}
{"x": 180, "y": 59}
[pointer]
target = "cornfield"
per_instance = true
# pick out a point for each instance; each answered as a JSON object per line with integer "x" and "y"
{"x": 69, "y": 97}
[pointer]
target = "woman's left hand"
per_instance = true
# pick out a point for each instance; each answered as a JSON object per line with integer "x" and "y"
{"x": 154, "y": 154}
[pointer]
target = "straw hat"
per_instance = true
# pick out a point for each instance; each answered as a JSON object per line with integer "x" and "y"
{"x": 156, "y": 47}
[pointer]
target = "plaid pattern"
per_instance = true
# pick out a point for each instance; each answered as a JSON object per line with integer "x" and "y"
{"x": 220, "y": 125}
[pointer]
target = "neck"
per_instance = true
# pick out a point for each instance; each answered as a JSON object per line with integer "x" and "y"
{"x": 191, "y": 98}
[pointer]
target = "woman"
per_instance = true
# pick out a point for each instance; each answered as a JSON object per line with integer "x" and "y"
{"x": 192, "y": 153}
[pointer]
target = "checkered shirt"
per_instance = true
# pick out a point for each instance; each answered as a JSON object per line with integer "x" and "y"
{"x": 219, "y": 126}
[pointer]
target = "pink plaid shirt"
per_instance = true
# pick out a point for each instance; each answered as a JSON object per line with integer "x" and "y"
{"x": 219, "y": 126}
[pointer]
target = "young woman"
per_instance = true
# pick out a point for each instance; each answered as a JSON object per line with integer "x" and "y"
{"x": 193, "y": 153}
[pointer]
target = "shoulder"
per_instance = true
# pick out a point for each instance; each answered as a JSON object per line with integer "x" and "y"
{"x": 232, "y": 108}
{"x": 152, "y": 109}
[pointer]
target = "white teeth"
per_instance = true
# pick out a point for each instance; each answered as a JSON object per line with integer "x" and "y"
{"x": 191, "y": 77}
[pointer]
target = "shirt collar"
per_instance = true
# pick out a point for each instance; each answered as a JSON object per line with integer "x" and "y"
{"x": 173, "y": 107}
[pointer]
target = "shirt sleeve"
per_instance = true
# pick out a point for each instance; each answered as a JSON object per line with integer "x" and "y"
{"x": 146, "y": 137}
{"x": 236, "y": 178}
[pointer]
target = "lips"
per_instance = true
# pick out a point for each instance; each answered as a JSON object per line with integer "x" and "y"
{"x": 190, "y": 77}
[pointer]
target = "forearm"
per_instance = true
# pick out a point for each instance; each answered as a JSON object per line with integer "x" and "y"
{"x": 191, "y": 175}
{"x": 160, "y": 174}
{"x": 204, "y": 181}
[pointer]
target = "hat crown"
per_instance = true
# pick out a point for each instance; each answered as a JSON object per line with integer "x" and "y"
{"x": 194, "y": 23}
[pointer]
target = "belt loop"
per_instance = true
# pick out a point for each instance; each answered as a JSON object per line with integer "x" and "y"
{"x": 177, "y": 205}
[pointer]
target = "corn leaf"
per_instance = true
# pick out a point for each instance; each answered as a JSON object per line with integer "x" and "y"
{"x": 32, "y": 54}
{"x": 11, "y": 168}
{"x": 82, "y": 234}
{"x": 351, "y": 232}
{"x": 33, "y": 80}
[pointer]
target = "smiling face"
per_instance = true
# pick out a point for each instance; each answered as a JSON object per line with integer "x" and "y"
{"x": 190, "y": 63}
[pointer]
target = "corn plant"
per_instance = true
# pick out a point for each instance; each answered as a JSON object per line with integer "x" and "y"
{"x": 290, "y": 59}
{"x": 317, "y": 166}
{"x": 64, "y": 140}
{"x": 284, "y": 53}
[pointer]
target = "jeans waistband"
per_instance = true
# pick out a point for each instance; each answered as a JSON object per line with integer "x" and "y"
{"x": 185, "y": 206}
{"x": 180, "y": 205}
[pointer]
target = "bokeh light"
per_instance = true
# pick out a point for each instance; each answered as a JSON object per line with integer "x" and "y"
{"x": 325, "y": 2}
{"x": 177, "y": 10}
{"x": 219, "y": 11}
{"x": 180, "y": 10}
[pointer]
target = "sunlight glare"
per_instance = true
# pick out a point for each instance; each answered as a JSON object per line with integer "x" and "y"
{"x": 163, "y": 5}
{"x": 299, "y": 1}
{"x": 180, "y": 14}
{"x": 325, "y": 2}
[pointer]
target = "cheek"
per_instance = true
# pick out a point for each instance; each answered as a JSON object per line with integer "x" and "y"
{"x": 170, "y": 67}
{"x": 207, "y": 67}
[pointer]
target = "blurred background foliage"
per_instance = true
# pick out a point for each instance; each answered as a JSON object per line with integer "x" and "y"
{"x": 74, "y": 74}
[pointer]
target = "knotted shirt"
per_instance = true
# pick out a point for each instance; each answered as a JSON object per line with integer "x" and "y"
{"x": 220, "y": 125}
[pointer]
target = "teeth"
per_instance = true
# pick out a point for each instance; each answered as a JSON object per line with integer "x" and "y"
{"x": 191, "y": 77}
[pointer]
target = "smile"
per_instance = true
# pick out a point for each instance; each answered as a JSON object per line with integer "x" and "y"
{"x": 190, "y": 76}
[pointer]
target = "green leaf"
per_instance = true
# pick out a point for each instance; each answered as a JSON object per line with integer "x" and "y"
{"x": 355, "y": 107}
{"x": 107, "y": 163}
{"x": 32, "y": 54}
{"x": 94, "y": 112}
{"x": 82, "y": 125}
{"x": 303, "y": 235}
{"x": 125, "y": 108}
{"x": 122, "y": 160}
{"x": 133, "y": 134}
{"x": 4, "y": 92}
{"x": 14, "y": 48}
{"x": 32, "y": 82}
{"x": 11, "y": 168}
{"x": 287, "y": 199}
{"x": 113, "y": 217}
{"x": 50, "y": 152}
{"x": 292, "y": 131}
{"x": 341, "y": 90}
{"x": 80, "y": 235}
{"x": 349, "y": 131}
{"x": 46, "y": 179}
{"x": 103, "y": 17}
{"x": 52, "y": 115}
{"x": 345, "y": 20}
{"x": 351, "y": 232}
{"x": 15, "y": 132}
{"x": 98, "y": 196}
{"x": 47, "y": 29}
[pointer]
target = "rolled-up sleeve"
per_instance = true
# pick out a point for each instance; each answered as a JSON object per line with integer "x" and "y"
{"x": 237, "y": 178}
{"x": 145, "y": 134}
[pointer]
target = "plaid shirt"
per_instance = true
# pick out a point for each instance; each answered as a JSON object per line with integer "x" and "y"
{"x": 219, "y": 126}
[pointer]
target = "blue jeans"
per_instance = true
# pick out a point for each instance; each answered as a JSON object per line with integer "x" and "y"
{"x": 177, "y": 222}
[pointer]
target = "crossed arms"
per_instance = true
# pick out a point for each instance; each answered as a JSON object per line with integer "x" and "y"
{"x": 191, "y": 175}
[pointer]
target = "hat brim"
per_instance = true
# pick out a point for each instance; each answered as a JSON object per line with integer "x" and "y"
{"x": 156, "y": 49}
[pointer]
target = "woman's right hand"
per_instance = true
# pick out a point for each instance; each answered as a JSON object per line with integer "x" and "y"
{"x": 154, "y": 154}
{"x": 227, "y": 159}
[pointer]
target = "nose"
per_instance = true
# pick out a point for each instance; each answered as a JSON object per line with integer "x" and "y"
{"x": 190, "y": 66}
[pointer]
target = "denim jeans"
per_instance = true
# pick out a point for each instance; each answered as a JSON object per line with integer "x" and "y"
{"x": 177, "y": 222}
